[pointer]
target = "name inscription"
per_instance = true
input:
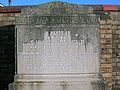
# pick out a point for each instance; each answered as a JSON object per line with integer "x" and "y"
{"x": 56, "y": 19}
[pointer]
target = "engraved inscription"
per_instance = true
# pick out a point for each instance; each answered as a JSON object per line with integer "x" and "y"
{"x": 56, "y": 19}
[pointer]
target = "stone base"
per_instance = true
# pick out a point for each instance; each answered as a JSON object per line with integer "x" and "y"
{"x": 57, "y": 82}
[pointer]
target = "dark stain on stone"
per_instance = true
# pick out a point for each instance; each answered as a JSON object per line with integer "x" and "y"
{"x": 64, "y": 85}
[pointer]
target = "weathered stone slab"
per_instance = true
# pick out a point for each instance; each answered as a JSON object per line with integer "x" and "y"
{"x": 57, "y": 8}
{"x": 57, "y": 43}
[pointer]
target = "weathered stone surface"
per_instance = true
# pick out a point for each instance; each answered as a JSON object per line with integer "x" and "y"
{"x": 109, "y": 31}
{"x": 102, "y": 22}
{"x": 55, "y": 44}
{"x": 109, "y": 22}
{"x": 57, "y": 8}
{"x": 46, "y": 20}
{"x": 7, "y": 19}
{"x": 108, "y": 45}
{"x": 103, "y": 31}
{"x": 105, "y": 26}
{"x": 107, "y": 75}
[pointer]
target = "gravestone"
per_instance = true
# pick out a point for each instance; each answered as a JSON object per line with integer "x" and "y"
{"x": 57, "y": 48}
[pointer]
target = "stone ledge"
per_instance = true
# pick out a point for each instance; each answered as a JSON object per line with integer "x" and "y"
{"x": 58, "y": 77}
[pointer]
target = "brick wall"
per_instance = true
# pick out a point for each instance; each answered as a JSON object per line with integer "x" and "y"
{"x": 110, "y": 49}
{"x": 116, "y": 50}
{"x": 106, "y": 49}
{"x": 7, "y": 18}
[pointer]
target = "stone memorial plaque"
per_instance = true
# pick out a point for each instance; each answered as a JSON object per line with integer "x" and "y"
{"x": 57, "y": 48}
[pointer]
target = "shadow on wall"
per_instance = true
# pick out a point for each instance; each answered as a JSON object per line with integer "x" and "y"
{"x": 7, "y": 56}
